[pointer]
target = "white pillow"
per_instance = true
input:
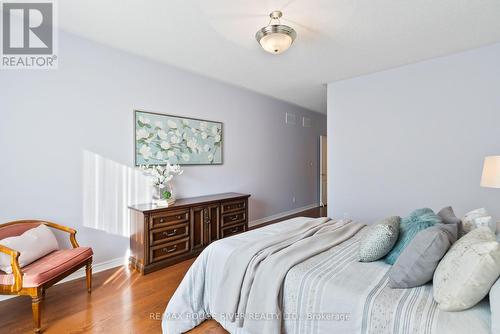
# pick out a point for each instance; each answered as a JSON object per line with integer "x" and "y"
{"x": 469, "y": 220}
{"x": 466, "y": 273}
{"x": 495, "y": 307}
{"x": 486, "y": 221}
{"x": 32, "y": 244}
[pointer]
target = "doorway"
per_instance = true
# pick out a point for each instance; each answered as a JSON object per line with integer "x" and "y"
{"x": 323, "y": 200}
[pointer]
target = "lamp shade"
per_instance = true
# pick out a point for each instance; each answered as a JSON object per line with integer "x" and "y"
{"x": 491, "y": 172}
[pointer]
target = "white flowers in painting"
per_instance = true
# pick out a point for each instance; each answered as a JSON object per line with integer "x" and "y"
{"x": 174, "y": 139}
{"x": 165, "y": 139}
{"x": 171, "y": 124}
{"x": 165, "y": 145}
{"x": 141, "y": 134}
{"x": 162, "y": 134}
{"x": 144, "y": 120}
{"x": 191, "y": 143}
{"x": 145, "y": 151}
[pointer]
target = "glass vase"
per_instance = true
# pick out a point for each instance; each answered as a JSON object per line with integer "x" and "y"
{"x": 163, "y": 195}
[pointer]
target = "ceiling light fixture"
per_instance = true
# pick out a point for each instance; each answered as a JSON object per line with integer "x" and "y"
{"x": 275, "y": 38}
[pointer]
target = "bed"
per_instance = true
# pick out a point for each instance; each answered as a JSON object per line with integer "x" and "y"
{"x": 330, "y": 292}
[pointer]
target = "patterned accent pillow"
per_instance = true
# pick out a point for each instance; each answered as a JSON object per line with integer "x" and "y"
{"x": 378, "y": 239}
{"x": 417, "y": 221}
{"x": 469, "y": 269}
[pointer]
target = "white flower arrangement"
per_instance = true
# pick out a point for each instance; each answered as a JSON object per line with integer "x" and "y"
{"x": 161, "y": 176}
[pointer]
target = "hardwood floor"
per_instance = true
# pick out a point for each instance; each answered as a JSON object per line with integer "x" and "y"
{"x": 121, "y": 302}
{"x": 313, "y": 213}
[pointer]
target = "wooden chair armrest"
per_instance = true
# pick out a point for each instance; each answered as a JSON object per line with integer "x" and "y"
{"x": 72, "y": 232}
{"x": 16, "y": 270}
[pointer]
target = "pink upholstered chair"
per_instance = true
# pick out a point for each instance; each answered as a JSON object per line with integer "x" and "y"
{"x": 36, "y": 277}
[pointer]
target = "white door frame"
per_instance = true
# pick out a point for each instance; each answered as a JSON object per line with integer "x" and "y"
{"x": 323, "y": 197}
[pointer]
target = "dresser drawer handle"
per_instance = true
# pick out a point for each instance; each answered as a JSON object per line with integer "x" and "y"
{"x": 177, "y": 217}
{"x": 167, "y": 250}
{"x": 235, "y": 206}
{"x": 170, "y": 234}
{"x": 234, "y": 218}
{"x": 234, "y": 229}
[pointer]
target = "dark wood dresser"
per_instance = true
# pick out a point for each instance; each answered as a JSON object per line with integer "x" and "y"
{"x": 162, "y": 236}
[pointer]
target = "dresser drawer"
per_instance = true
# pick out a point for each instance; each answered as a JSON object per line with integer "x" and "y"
{"x": 232, "y": 230}
{"x": 233, "y": 206}
{"x": 234, "y": 218}
{"x": 168, "y": 250}
{"x": 168, "y": 218}
{"x": 169, "y": 233}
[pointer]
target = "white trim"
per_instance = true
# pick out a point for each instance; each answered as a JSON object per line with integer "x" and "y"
{"x": 281, "y": 215}
{"x": 81, "y": 272}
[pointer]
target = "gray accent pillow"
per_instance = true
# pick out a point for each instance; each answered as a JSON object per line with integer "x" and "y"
{"x": 378, "y": 239}
{"x": 418, "y": 261}
{"x": 449, "y": 217}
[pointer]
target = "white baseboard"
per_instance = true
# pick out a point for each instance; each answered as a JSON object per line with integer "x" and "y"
{"x": 98, "y": 267}
{"x": 281, "y": 215}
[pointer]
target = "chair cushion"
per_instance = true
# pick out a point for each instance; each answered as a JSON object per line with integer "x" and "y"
{"x": 49, "y": 266}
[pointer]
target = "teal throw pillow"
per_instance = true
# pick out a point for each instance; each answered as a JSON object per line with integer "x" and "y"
{"x": 415, "y": 222}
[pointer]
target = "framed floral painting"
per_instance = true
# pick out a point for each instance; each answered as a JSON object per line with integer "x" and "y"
{"x": 162, "y": 139}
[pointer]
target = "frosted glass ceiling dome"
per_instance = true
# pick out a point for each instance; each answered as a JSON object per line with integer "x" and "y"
{"x": 275, "y": 38}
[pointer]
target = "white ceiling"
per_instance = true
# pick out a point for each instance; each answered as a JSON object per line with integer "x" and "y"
{"x": 337, "y": 39}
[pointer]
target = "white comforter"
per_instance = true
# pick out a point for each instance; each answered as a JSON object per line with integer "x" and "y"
{"x": 328, "y": 293}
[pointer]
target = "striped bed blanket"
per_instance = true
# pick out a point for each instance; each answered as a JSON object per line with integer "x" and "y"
{"x": 330, "y": 292}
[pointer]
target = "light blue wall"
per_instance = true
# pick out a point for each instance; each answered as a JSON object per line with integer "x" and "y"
{"x": 49, "y": 118}
{"x": 415, "y": 136}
